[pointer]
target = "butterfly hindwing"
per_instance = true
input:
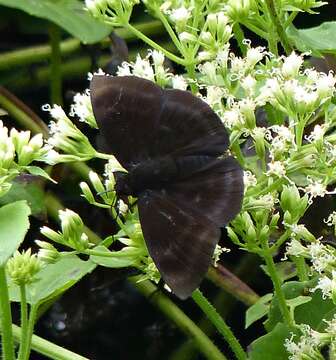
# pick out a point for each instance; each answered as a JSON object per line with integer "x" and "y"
{"x": 179, "y": 240}
{"x": 215, "y": 190}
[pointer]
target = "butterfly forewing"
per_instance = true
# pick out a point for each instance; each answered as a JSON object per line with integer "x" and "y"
{"x": 180, "y": 241}
{"x": 127, "y": 111}
{"x": 140, "y": 121}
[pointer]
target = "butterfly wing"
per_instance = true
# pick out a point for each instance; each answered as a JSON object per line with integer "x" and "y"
{"x": 188, "y": 126}
{"x": 215, "y": 190}
{"x": 127, "y": 112}
{"x": 140, "y": 121}
{"x": 179, "y": 240}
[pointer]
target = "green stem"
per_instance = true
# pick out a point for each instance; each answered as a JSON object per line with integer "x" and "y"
{"x": 239, "y": 36}
{"x": 7, "y": 345}
{"x": 277, "y": 284}
{"x": 256, "y": 30}
{"x": 184, "y": 323}
{"x": 154, "y": 45}
{"x": 169, "y": 30}
{"x": 30, "y": 330}
{"x": 24, "y": 322}
{"x": 47, "y": 348}
{"x": 21, "y": 112}
{"x": 192, "y": 74}
{"x": 29, "y": 55}
{"x": 290, "y": 19}
{"x": 55, "y": 65}
{"x": 301, "y": 267}
{"x": 219, "y": 323}
{"x": 279, "y": 28}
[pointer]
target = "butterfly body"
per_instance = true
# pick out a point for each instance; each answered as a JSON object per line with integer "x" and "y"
{"x": 174, "y": 148}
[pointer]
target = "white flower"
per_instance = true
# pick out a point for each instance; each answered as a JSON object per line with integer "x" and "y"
{"x": 254, "y": 55}
{"x": 315, "y": 189}
{"x": 83, "y": 109}
{"x": 291, "y": 65}
{"x": 179, "y": 82}
{"x": 321, "y": 256}
{"x": 331, "y": 221}
{"x": 232, "y": 118}
{"x": 124, "y": 69}
{"x": 325, "y": 85}
{"x": 180, "y": 17}
{"x": 248, "y": 84}
{"x": 214, "y": 95}
{"x": 142, "y": 68}
{"x": 317, "y": 134}
{"x": 249, "y": 179}
{"x": 295, "y": 248}
{"x": 326, "y": 285}
{"x": 276, "y": 168}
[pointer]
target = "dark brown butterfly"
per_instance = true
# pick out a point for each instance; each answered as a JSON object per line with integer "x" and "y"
{"x": 171, "y": 144}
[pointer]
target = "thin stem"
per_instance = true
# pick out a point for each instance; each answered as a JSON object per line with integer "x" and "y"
{"x": 7, "y": 344}
{"x": 256, "y": 30}
{"x": 154, "y": 45}
{"x": 30, "y": 330}
{"x": 219, "y": 323}
{"x": 170, "y": 31}
{"x": 16, "y": 108}
{"x": 228, "y": 281}
{"x": 301, "y": 267}
{"x": 46, "y": 347}
{"x": 239, "y": 36}
{"x": 184, "y": 323}
{"x": 24, "y": 322}
{"x": 277, "y": 284}
{"x": 192, "y": 74}
{"x": 290, "y": 19}
{"x": 279, "y": 28}
{"x": 33, "y": 54}
{"x": 55, "y": 65}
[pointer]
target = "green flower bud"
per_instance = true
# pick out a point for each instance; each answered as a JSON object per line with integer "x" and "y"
{"x": 23, "y": 267}
{"x": 47, "y": 252}
{"x": 51, "y": 234}
{"x": 232, "y": 235}
{"x": 87, "y": 193}
{"x": 96, "y": 182}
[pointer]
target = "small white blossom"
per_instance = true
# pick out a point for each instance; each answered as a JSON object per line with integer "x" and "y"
{"x": 254, "y": 55}
{"x": 317, "y": 134}
{"x": 291, "y": 65}
{"x": 249, "y": 179}
{"x": 326, "y": 285}
{"x": 295, "y": 248}
{"x": 83, "y": 109}
{"x": 276, "y": 168}
{"x": 179, "y": 82}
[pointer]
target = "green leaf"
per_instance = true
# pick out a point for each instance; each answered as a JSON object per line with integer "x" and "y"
{"x": 312, "y": 313}
{"x": 26, "y": 187}
{"x": 37, "y": 171}
{"x": 258, "y": 310}
{"x": 68, "y": 14}
{"x": 117, "y": 259}
{"x": 14, "y": 224}
{"x": 53, "y": 280}
{"x": 285, "y": 270}
{"x": 271, "y": 346}
{"x": 319, "y": 39}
